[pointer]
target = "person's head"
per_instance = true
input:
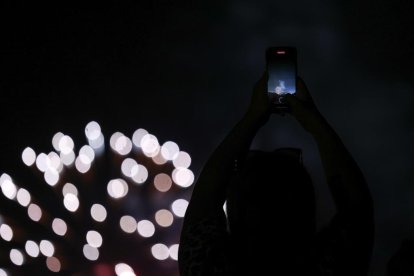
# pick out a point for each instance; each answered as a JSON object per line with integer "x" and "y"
{"x": 271, "y": 206}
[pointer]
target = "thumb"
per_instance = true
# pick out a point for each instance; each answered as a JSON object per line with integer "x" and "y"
{"x": 293, "y": 102}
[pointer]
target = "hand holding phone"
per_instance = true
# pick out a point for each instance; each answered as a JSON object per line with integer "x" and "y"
{"x": 282, "y": 69}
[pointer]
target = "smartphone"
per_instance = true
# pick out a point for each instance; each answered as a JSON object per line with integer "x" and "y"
{"x": 282, "y": 68}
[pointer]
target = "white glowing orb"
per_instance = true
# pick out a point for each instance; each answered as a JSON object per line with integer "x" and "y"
{"x": 98, "y": 143}
{"x": 47, "y": 248}
{"x": 69, "y": 188}
{"x": 183, "y": 177}
{"x": 183, "y": 160}
{"x": 160, "y": 251}
{"x": 146, "y": 228}
{"x": 162, "y": 182}
{"x": 137, "y": 136}
{"x": 179, "y": 207}
{"x": 174, "y": 252}
{"x": 93, "y": 130}
{"x": 51, "y": 176}
{"x": 117, "y": 188}
{"x": 6, "y": 232}
{"x": 59, "y": 226}
{"x": 71, "y": 202}
{"x": 3, "y": 272}
{"x": 90, "y": 253}
{"x": 164, "y": 218}
{"x": 67, "y": 159}
{"x": 53, "y": 264}
{"x": 86, "y": 154}
{"x": 169, "y": 150}
{"x": 54, "y": 161}
{"x": 123, "y": 269}
{"x": 42, "y": 162}
{"x": 56, "y": 140}
{"x": 129, "y": 167}
{"x": 66, "y": 144}
{"x": 28, "y": 156}
{"x": 34, "y": 212}
{"x": 16, "y": 257}
{"x": 32, "y": 249}
{"x": 150, "y": 145}
{"x": 140, "y": 175}
{"x": 120, "y": 143}
{"x": 81, "y": 166}
{"x": 94, "y": 239}
{"x": 8, "y": 188}
{"x": 98, "y": 212}
{"x": 23, "y": 197}
{"x": 128, "y": 224}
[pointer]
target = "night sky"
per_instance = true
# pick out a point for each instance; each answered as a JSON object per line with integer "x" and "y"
{"x": 184, "y": 70}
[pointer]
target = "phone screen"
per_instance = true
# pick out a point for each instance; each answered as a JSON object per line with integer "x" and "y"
{"x": 281, "y": 66}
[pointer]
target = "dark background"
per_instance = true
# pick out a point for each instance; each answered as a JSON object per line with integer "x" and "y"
{"x": 184, "y": 70}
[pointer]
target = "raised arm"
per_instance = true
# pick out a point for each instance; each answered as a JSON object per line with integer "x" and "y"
{"x": 354, "y": 219}
{"x": 210, "y": 189}
{"x": 345, "y": 179}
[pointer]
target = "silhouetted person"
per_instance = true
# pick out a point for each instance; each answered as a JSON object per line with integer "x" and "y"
{"x": 402, "y": 262}
{"x": 270, "y": 228}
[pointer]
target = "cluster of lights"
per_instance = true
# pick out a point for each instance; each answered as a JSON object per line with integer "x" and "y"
{"x": 64, "y": 157}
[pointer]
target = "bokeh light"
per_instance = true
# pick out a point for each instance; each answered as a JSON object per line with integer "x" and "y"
{"x": 80, "y": 180}
{"x": 169, "y": 150}
{"x": 93, "y": 130}
{"x": 86, "y": 154}
{"x": 16, "y": 257}
{"x": 8, "y": 188}
{"x": 32, "y": 249}
{"x": 90, "y": 253}
{"x": 150, "y": 145}
{"x": 140, "y": 175}
{"x": 129, "y": 167}
{"x": 137, "y": 136}
{"x": 162, "y": 182}
{"x": 117, "y": 188}
{"x": 81, "y": 166}
{"x": 66, "y": 144}
{"x": 47, "y": 248}
{"x": 183, "y": 160}
{"x": 56, "y": 139}
{"x": 28, "y": 156}
{"x": 51, "y": 176}
{"x": 146, "y": 228}
{"x": 164, "y": 218}
{"x": 174, "y": 252}
{"x": 53, "y": 264}
{"x": 179, "y": 207}
{"x": 123, "y": 269}
{"x": 34, "y": 212}
{"x": 71, "y": 202}
{"x": 94, "y": 239}
{"x": 67, "y": 158}
{"x": 23, "y": 197}
{"x": 128, "y": 224}
{"x": 3, "y": 272}
{"x": 98, "y": 212}
{"x": 69, "y": 188}
{"x": 6, "y": 232}
{"x": 59, "y": 227}
{"x": 160, "y": 251}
